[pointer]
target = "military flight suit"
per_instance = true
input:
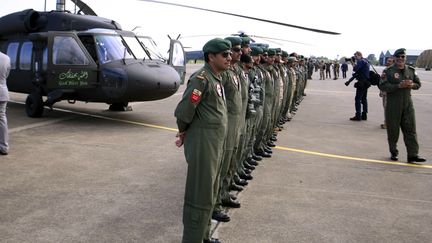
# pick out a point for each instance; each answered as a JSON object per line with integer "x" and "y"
{"x": 242, "y": 123}
{"x": 202, "y": 115}
{"x": 399, "y": 110}
{"x": 232, "y": 89}
{"x": 266, "y": 98}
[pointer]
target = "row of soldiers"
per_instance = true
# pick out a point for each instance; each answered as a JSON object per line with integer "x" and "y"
{"x": 326, "y": 67}
{"x": 228, "y": 120}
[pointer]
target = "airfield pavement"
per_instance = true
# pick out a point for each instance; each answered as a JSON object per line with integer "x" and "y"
{"x": 84, "y": 174}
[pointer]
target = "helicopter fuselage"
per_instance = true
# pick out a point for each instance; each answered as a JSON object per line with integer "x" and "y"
{"x": 86, "y": 64}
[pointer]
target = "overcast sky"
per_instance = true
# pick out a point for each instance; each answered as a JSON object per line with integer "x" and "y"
{"x": 370, "y": 26}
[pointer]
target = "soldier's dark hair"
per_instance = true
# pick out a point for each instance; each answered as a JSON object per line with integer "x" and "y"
{"x": 206, "y": 57}
{"x": 245, "y": 58}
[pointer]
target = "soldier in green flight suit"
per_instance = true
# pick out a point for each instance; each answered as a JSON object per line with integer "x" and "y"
{"x": 202, "y": 123}
{"x": 232, "y": 87}
{"x": 397, "y": 81}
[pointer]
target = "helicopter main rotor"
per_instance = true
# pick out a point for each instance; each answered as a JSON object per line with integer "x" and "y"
{"x": 247, "y": 17}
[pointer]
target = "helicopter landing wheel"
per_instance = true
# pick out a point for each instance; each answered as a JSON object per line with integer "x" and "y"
{"x": 121, "y": 106}
{"x": 34, "y": 105}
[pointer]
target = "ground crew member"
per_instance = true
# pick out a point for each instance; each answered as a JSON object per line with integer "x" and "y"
{"x": 202, "y": 123}
{"x": 398, "y": 81}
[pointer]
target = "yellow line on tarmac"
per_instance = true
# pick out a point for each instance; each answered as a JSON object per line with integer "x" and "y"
{"x": 277, "y": 147}
{"x": 352, "y": 158}
{"x": 119, "y": 120}
{"x": 109, "y": 118}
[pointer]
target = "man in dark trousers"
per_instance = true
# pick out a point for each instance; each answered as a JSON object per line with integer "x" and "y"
{"x": 361, "y": 69}
{"x": 397, "y": 81}
{"x": 202, "y": 123}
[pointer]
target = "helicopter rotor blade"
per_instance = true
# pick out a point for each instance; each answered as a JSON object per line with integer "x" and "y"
{"x": 84, "y": 7}
{"x": 247, "y": 17}
{"x": 277, "y": 39}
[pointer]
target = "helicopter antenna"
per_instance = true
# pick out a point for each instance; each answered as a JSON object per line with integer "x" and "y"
{"x": 247, "y": 17}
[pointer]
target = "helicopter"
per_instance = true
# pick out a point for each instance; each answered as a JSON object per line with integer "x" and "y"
{"x": 83, "y": 57}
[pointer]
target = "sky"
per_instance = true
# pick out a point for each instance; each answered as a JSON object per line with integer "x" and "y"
{"x": 369, "y": 26}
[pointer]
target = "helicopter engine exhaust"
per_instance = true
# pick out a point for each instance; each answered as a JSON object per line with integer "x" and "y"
{"x": 27, "y": 21}
{"x": 61, "y": 5}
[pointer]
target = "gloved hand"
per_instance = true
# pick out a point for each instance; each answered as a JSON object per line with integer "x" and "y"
{"x": 347, "y": 83}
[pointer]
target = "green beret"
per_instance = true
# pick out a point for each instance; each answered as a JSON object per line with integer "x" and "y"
{"x": 256, "y": 51}
{"x": 245, "y": 40}
{"x": 265, "y": 50}
{"x": 284, "y": 54}
{"x": 235, "y": 40}
{"x": 278, "y": 51}
{"x": 216, "y": 45}
{"x": 399, "y": 52}
{"x": 271, "y": 52}
{"x": 292, "y": 59}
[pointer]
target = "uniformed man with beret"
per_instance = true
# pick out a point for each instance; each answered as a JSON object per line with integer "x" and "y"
{"x": 291, "y": 62}
{"x": 397, "y": 81}
{"x": 202, "y": 123}
{"x": 242, "y": 172}
{"x": 232, "y": 87}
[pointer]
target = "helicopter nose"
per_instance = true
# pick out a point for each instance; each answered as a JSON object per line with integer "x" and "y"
{"x": 149, "y": 80}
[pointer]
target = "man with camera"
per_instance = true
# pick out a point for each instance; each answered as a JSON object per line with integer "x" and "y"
{"x": 361, "y": 73}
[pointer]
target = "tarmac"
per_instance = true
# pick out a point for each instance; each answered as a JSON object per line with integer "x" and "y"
{"x": 84, "y": 174}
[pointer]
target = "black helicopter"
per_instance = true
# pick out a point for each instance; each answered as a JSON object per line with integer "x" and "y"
{"x": 83, "y": 57}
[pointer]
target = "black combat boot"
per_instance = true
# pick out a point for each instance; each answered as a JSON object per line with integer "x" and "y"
{"x": 356, "y": 118}
{"x": 364, "y": 116}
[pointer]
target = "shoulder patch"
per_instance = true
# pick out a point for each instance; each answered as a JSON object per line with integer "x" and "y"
{"x": 195, "y": 96}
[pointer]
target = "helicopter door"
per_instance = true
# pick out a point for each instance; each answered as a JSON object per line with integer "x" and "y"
{"x": 70, "y": 66}
{"x": 177, "y": 59}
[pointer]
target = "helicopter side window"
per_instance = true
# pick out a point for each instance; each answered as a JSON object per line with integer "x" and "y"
{"x": 89, "y": 44}
{"x": 12, "y": 52}
{"x": 45, "y": 59}
{"x": 178, "y": 56}
{"x": 66, "y": 51}
{"x": 26, "y": 55}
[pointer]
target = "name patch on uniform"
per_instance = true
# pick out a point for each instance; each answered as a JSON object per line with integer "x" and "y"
{"x": 396, "y": 75}
{"x": 219, "y": 90}
{"x": 195, "y": 96}
{"x": 235, "y": 80}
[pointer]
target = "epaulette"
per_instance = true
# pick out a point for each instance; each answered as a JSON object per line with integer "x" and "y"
{"x": 411, "y": 67}
{"x": 201, "y": 75}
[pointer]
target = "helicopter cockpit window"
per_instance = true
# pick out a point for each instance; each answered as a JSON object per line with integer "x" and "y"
{"x": 150, "y": 48}
{"x": 12, "y": 52}
{"x": 66, "y": 51}
{"x": 136, "y": 48}
{"x": 26, "y": 55}
{"x": 111, "y": 48}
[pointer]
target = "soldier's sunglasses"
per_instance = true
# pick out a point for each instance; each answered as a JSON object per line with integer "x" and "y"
{"x": 236, "y": 49}
{"x": 400, "y": 56}
{"x": 225, "y": 54}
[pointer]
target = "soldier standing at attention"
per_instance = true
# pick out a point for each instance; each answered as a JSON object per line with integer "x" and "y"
{"x": 202, "y": 123}
{"x": 398, "y": 81}
{"x": 232, "y": 87}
